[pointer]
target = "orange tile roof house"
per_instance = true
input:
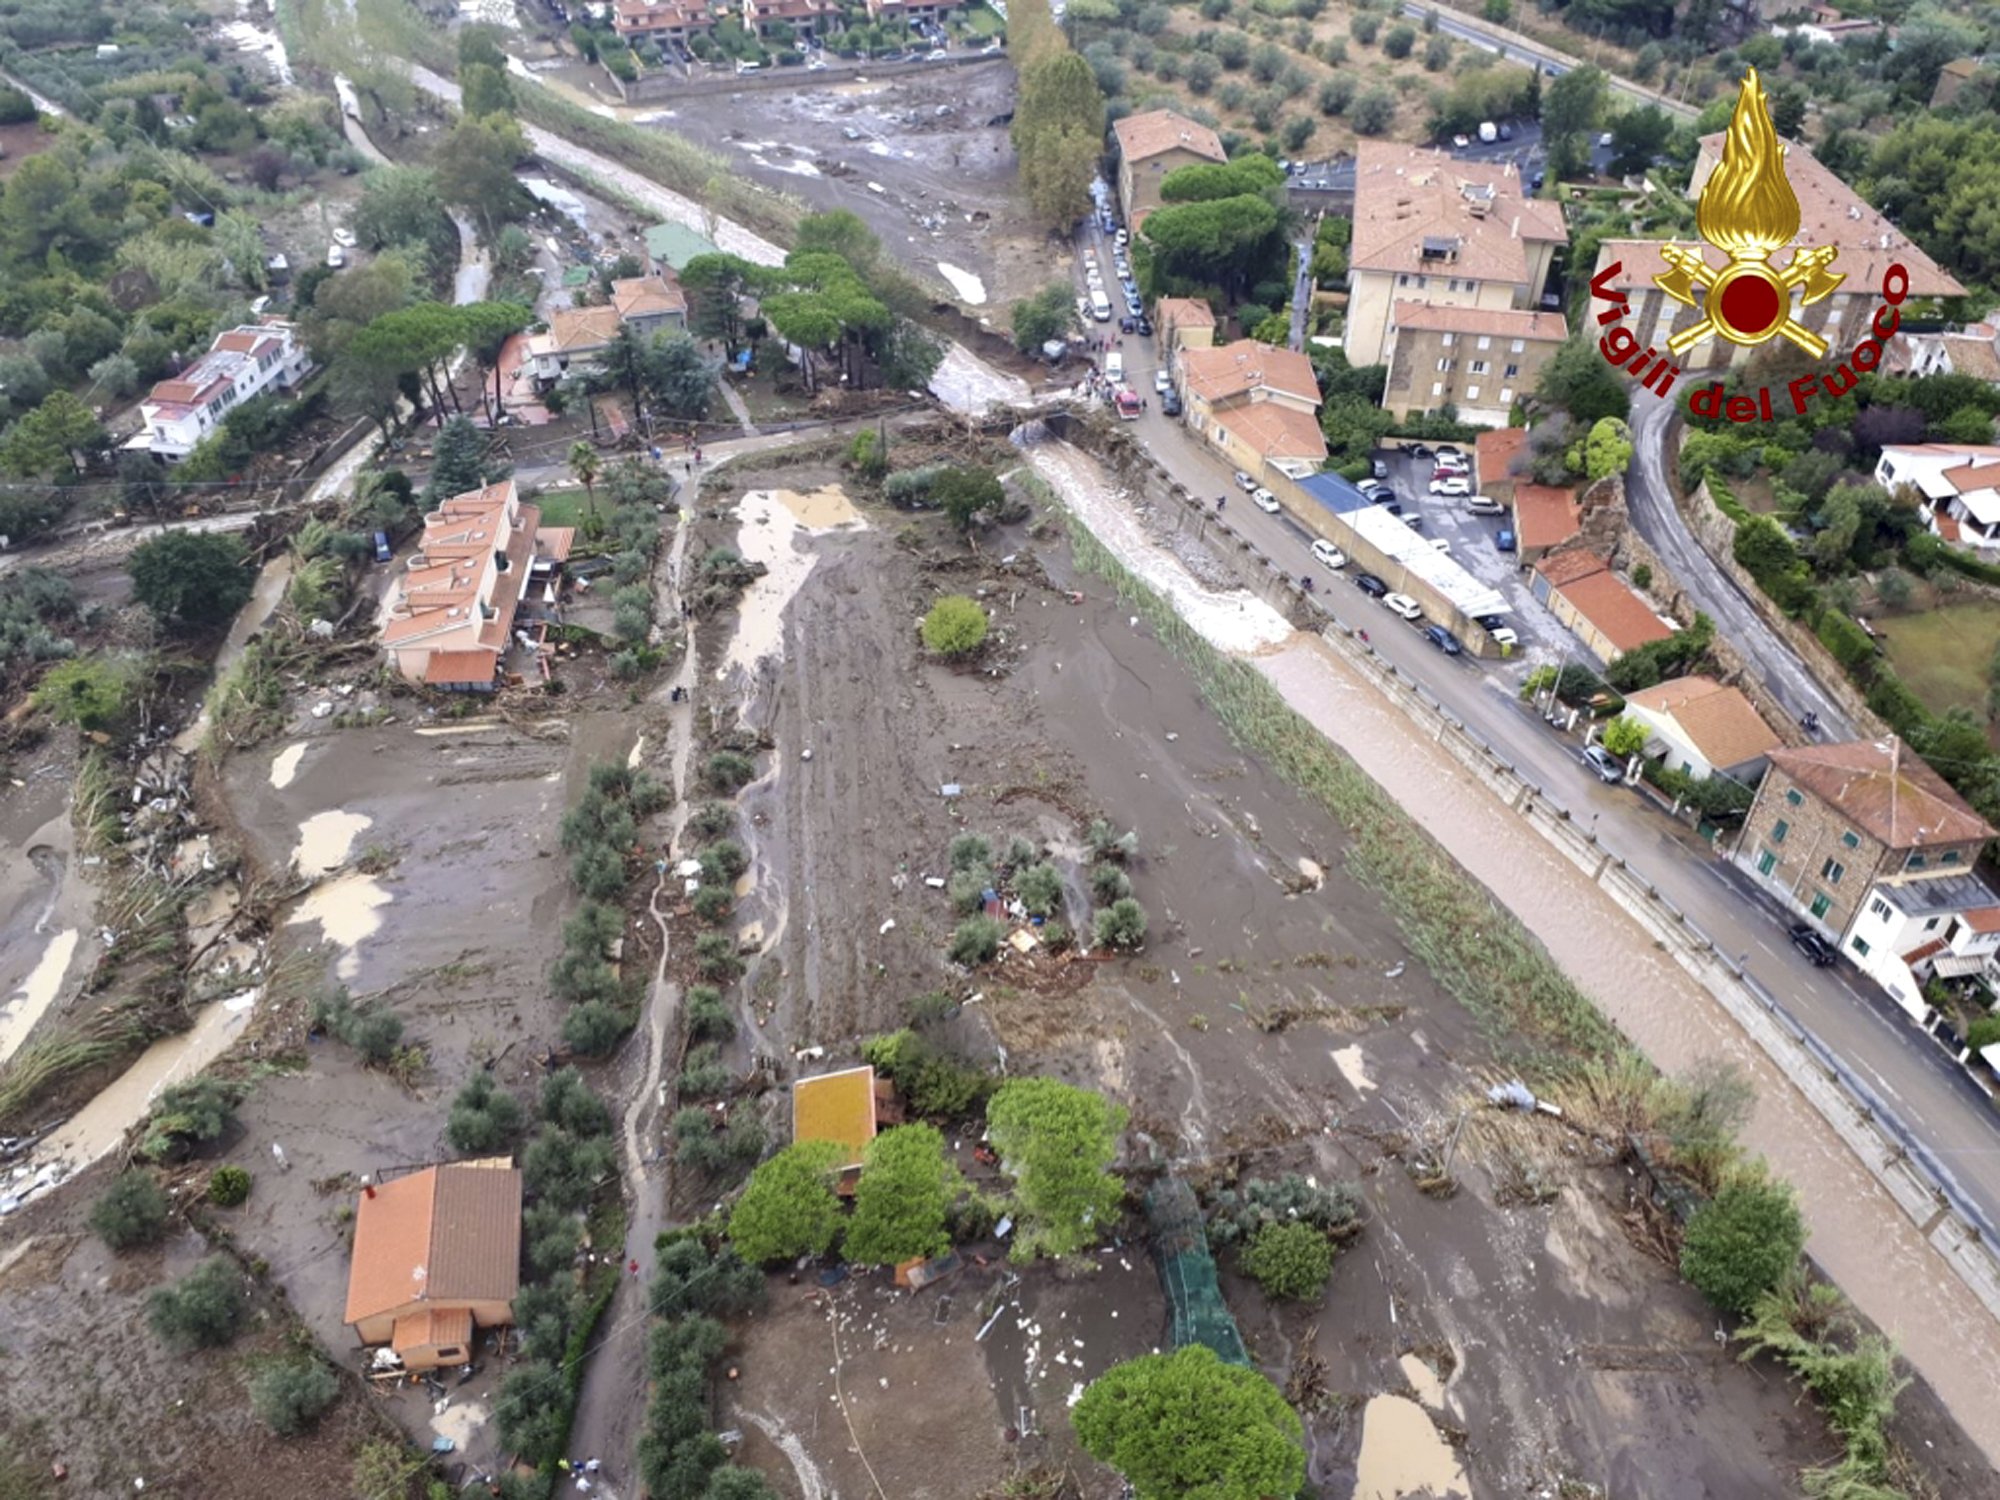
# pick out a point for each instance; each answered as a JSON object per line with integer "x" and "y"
{"x": 1544, "y": 518}
{"x": 1152, "y": 144}
{"x": 1478, "y": 360}
{"x": 437, "y": 1254}
{"x": 243, "y": 363}
{"x": 1183, "y": 323}
{"x": 1584, "y": 594}
{"x": 1704, "y": 727}
{"x": 846, "y": 1108}
{"x": 484, "y": 558}
{"x": 649, "y": 305}
{"x": 1432, "y": 229}
{"x": 1499, "y": 456}
{"x": 1255, "y": 404}
{"x": 1876, "y": 849}
{"x": 675, "y": 21}
{"x": 1830, "y": 213}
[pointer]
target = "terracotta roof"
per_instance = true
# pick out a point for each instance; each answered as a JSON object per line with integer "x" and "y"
{"x": 1982, "y": 918}
{"x": 1719, "y": 721}
{"x": 1620, "y": 615}
{"x": 1973, "y": 356}
{"x": 639, "y": 15}
{"x": 1923, "y": 951}
{"x": 1236, "y": 369}
{"x": 1276, "y": 431}
{"x": 1968, "y": 477}
{"x": 1886, "y": 788}
{"x": 554, "y": 543}
{"x": 456, "y": 668}
{"x": 1948, "y": 527}
{"x": 1495, "y": 451}
{"x": 1157, "y": 130}
{"x": 443, "y": 1235}
{"x": 1566, "y": 567}
{"x": 438, "y": 602}
{"x": 837, "y": 1107}
{"x": 647, "y": 297}
{"x": 579, "y": 330}
{"x": 1963, "y": 67}
{"x": 1405, "y": 196}
{"x": 433, "y": 1328}
{"x": 1497, "y": 322}
{"x": 1545, "y": 516}
{"x": 1869, "y": 244}
{"x": 1184, "y": 312}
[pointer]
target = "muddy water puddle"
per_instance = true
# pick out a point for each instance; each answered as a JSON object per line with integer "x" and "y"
{"x": 285, "y": 765}
{"x": 770, "y": 523}
{"x": 20, "y": 1012}
{"x": 325, "y": 840}
{"x": 348, "y": 913}
{"x": 1403, "y": 1454}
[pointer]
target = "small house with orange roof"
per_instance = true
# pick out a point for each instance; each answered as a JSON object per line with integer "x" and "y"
{"x": 437, "y": 1256}
{"x": 485, "y": 558}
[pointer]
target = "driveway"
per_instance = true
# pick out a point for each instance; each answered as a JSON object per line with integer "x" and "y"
{"x": 1649, "y": 495}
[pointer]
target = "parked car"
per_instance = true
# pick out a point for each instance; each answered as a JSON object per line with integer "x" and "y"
{"x": 1370, "y": 585}
{"x": 1325, "y": 552}
{"x": 1265, "y": 501}
{"x": 1451, "y": 484}
{"x": 1418, "y": 450}
{"x": 1170, "y": 403}
{"x": 1379, "y": 468}
{"x": 344, "y": 237}
{"x": 1128, "y": 325}
{"x": 1162, "y": 381}
{"x": 1604, "y": 763}
{"x": 1114, "y": 366}
{"x": 1818, "y": 951}
{"x": 336, "y": 257}
{"x": 1403, "y": 605}
{"x": 1444, "y": 640}
{"x": 1503, "y": 637}
{"x": 1145, "y": 325}
{"x": 1461, "y": 141}
{"x": 1452, "y": 463}
{"x": 1244, "y": 482}
{"x": 382, "y": 552}
{"x": 1441, "y": 545}
{"x": 1484, "y": 505}
{"x": 1447, "y": 453}
{"x": 1504, "y": 540}
{"x": 1122, "y": 237}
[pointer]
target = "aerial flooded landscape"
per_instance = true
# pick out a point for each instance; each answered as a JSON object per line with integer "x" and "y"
{"x": 974, "y": 751}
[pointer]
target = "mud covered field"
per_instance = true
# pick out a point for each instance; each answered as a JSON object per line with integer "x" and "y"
{"x": 1508, "y": 1339}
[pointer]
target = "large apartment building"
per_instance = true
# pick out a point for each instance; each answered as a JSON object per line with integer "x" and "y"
{"x": 1830, "y": 213}
{"x": 1151, "y": 145}
{"x": 1436, "y": 231}
{"x": 1478, "y": 360}
{"x": 242, "y": 364}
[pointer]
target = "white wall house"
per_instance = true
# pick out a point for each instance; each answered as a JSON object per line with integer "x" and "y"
{"x": 1909, "y": 931}
{"x": 1960, "y": 483}
{"x": 245, "y": 362}
{"x": 1697, "y": 725}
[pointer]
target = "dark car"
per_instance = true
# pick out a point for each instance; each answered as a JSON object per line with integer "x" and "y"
{"x": 1505, "y": 540}
{"x": 1444, "y": 640}
{"x": 1370, "y": 585}
{"x": 1818, "y": 951}
{"x": 1145, "y": 325}
{"x": 1128, "y": 325}
{"x": 1170, "y": 404}
{"x": 382, "y": 552}
{"x": 1418, "y": 450}
{"x": 1489, "y": 622}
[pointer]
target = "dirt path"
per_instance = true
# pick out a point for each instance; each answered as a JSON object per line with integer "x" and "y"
{"x": 611, "y": 1404}
{"x": 738, "y": 409}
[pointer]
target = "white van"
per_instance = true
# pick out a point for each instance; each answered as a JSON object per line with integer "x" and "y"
{"x": 1100, "y": 305}
{"x": 1114, "y": 367}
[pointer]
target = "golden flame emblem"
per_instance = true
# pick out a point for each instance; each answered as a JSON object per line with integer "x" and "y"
{"x": 1748, "y": 211}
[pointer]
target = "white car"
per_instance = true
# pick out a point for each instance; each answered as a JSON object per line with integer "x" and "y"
{"x": 1503, "y": 637}
{"x": 1404, "y": 605}
{"x": 1162, "y": 381}
{"x": 344, "y": 237}
{"x": 1244, "y": 482}
{"x": 336, "y": 257}
{"x": 1440, "y": 544}
{"x": 1122, "y": 237}
{"x": 1451, "y": 484}
{"x": 1451, "y": 465}
{"x": 1266, "y": 501}
{"x": 1484, "y": 505}
{"x": 1461, "y": 141}
{"x": 1327, "y": 554}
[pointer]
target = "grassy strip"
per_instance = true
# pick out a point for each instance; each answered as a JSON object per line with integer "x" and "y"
{"x": 1480, "y": 952}
{"x": 43, "y": 1062}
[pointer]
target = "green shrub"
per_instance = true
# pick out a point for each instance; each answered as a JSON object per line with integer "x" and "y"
{"x": 971, "y": 851}
{"x": 976, "y": 941}
{"x": 1983, "y": 1032}
{"x": 1040, "y": 890}
{"x": 289, "y": 1395}
{"x": 598, "y": 873}
{"x": 571, "y": 1104}
{"x": 1108, "y": 883}
{"x": 712, "y": 903}
{"x": 1056, "y": 936}
{"x": 1107, "y": 843}
{"x": 1289, "y": 1261}
{"x": 715, "y": 957}
{"x": 199, "y": 1110}
{"x": 789, "y": 1209}
{"x": 955, "y": 627}
{"x": 203, "y": 1310}
{"x": 722, "y": 862}
{"x": 933, "y": 1083}
{"x": 484, "y": 1117}
{"x": 131, "y": 1212}
{"x": 968, "y": 888}
{"x": 929, "y": 1008}
{"x": 1122, "y": 924}
{"x": 712, "y": 820}
{"x": 594, "y": 1028}
{"x": 1242, "y": 1212}
{"x": 708, "y": 1017}
{"x": 703, "y": 1075}
{"x": 228, "y": 1186}
{"x": 727, "y": 771}
{"x": 1742, "y": 1242}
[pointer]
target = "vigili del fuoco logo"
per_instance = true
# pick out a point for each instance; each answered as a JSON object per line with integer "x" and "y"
{"x": 1749, "y": 213}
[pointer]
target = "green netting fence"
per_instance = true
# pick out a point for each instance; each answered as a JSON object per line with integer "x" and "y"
{"x": 1196, "y": 1313}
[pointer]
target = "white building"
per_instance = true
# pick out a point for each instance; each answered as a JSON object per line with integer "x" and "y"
{"x": 1908, "y": 931}
{"x": 246, "y": 362}
{"x": 1701, "y": 727}
{"x": 1960, "y": 483}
